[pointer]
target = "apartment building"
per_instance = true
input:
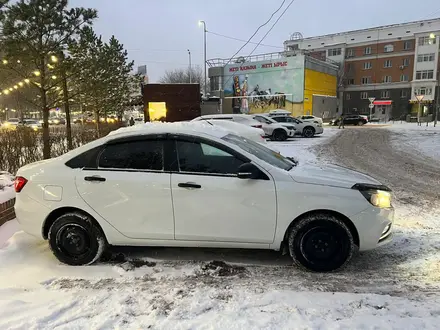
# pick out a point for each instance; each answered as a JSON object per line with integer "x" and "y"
{"x": 392, "y": 64}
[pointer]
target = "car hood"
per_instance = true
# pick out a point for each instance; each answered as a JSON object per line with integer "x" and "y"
{"x": 329, "y": 175}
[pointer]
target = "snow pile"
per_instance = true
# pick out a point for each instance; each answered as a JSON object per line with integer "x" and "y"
{"x": 6, "y": 186}
{"x": 423, "y": 139}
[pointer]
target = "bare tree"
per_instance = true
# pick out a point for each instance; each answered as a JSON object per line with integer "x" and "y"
{"x": 179, "y": 76}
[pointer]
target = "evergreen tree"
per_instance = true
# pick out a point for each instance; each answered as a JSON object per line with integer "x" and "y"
{"x": 35, "y": 33}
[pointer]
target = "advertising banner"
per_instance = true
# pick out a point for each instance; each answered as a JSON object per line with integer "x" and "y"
{"x": 258, "y": 87}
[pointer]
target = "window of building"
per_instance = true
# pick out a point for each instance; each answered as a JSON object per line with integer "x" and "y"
{"x": 367, "y": 50}
{"x": 348, "y": 96}
{"x": 135, "y": 155}
{"x": 350, "y": 52}
{"x": 367, "y": 65}
{"x": 403, "y": 94}
{"x": 214, "y": 83}
{"x": 388, "y": 48}
{"x": 424, "y": 74}
{"x": 423, "y": 91}
{"x": 364, "y": 95}
{"x": 387, "y": 64}
{"x": 294, "y": 47}
{"x": 198, "y": 157}
{"x": 350, "y": 81}
{"x": 404, "y": 77}
{"x": 386, "y": 79}
{"x": 407, "y": 45}
{"x": 334, "y": 52}
{"x": 427, "y": 40}
{"x": 405, "y": 62}
{"x": 385, "y": 94}
{"x": 366, "y": 80}
{"x": 426, "y": 57}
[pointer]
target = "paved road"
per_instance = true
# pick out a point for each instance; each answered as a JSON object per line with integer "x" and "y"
{"x": 414, "y": 177}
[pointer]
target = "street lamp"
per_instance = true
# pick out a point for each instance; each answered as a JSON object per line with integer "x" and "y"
{"x": 419, "y": 114}
{"x": 204, "y": 52}
{"x": 189, "y": 55}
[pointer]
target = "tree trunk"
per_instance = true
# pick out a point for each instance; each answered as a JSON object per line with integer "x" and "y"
{"x": 67, "y": 110}
{"x": 98, "y": 125}
{"x": 46, "y": 138}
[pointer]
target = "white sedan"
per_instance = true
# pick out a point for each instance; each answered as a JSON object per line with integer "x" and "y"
{"x": 185, "y": 185}
{"x": 306, "y": 129}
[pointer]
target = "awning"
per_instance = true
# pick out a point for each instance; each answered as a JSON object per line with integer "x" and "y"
{"x": 384, "y": 102}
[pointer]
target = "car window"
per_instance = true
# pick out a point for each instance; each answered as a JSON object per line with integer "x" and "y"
{"x": 264, "y": 120}
{"x": 265, "y": 154}
{"x": 197, "y": 157}
{"x": 138, "y": 155}
{"x": 280, "y": 119}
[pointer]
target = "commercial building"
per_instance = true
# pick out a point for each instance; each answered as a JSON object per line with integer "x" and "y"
{"x": 393, "y": 64}
{"x": 291, "y": 80}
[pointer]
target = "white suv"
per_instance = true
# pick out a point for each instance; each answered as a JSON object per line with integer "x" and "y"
{"x": 186, "y": 185}
{"x": 306, "y": 129}
{"x": 274, "y": 130}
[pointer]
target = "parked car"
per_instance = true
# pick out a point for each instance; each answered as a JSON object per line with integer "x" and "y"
{"x": 166, "y": 185}
{"x": 33, "y": 124}
{"x": 306, "y": 129}
{"x": 352, "y": 120}
{"x": 277, "y": 112}
{"x": 310, "y": 118}
{"x": 252, "y": 133}
{"x": 11, "y": 123}
{"x": 274, "y": 130}
{"x": 238, "y": 118}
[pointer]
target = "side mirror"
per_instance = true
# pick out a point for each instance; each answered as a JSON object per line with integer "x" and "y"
{"x": 248, "y": 171}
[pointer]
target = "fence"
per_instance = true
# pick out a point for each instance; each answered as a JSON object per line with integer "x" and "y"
{"x": 24, "y": 146}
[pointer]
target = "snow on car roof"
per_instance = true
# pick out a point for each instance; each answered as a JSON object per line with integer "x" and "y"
{"x": 176, "y": 128}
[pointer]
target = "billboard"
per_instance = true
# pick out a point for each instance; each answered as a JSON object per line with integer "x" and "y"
{"x": 258, "y": 87}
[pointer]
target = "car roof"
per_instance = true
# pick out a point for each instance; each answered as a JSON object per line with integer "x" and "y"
{"x": 224, "y": 115}
{"x": 190, "y": 128}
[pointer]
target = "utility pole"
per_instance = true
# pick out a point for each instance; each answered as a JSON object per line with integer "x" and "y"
{"x": 190, "y": 70}
{"x": 204, "y": 52}
{"x": 437, "y": 105}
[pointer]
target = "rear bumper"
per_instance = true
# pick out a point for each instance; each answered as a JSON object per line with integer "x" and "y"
{"x": 30, "y": 215}
{"x": 374, "y": 226}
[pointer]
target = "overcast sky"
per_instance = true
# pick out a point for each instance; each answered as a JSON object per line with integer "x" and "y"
{"x": 159, "y": 32}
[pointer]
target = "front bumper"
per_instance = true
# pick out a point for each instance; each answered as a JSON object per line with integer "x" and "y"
{"x": 319, "y": 130}
{"x": 291, "y": 132}
{"x": 374, "y": 226}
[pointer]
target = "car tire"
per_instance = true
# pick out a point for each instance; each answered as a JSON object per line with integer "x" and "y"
{"x": 360, "y": 123}
{"x": 279, "y": 135}
{"x": 308, "y": 132}
{"x": 321, "y": 242}
{"x": 75, "y": 239}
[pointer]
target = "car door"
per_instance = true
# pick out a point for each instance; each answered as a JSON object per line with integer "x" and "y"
{"x": 211, "y": 203}
{"x": 130, "y": 189}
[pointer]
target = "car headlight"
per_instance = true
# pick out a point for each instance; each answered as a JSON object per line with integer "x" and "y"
{"x": 378, "y": 195}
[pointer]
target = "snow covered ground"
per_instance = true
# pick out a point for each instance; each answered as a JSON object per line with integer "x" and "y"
{"x": 390, "y": 288}
{"x": 6, "y": 187}
{"x": 422, "y": 139}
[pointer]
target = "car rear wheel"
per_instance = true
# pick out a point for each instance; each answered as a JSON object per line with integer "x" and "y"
{"x": 360, "y": 123}
{"x": 321, "y": 242}
{"x": 279, "y": 135}
{"x": 308, "y": 132}
{"x": 75, "y": 240}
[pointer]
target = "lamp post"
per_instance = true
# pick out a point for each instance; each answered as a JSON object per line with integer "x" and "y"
{"x": 189, "y": 56}
{"x": 204, "y": 52}
{"x": 419, "y": 114}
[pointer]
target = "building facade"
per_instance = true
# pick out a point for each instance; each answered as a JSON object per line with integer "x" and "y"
{"x": 291, "y": 81}
{"x": 392, "y": 64}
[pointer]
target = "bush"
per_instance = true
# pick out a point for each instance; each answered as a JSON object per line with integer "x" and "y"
{"x": 24, "y": 146}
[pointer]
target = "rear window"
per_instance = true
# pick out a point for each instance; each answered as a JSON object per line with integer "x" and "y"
{"x": 85, "y": 160}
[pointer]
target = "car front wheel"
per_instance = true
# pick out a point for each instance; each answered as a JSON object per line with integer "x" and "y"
{"x": 321, "y": 242}
{"x": 279, "y": 135}
{"x": 360, "y": 123}
{"x": 308, "y": 132}
{"x": 75, "y": 240}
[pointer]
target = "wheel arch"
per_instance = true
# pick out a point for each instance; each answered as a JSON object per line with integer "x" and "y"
{"x": 55, "y": 214}
{"x": 339, "y": 215}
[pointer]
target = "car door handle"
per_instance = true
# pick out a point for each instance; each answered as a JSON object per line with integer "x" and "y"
{"x": 94, "y": 178}
{"x": 189, "y": 185}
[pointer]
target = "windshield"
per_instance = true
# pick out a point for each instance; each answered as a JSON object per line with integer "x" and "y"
{"x": 13, "y": 120}
{"x": 265, "y": 154}
{"x": 31, "y": 121}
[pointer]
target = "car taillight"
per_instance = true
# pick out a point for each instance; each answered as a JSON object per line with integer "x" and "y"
{"x": 257, "y": 126}
{"x": 19, "y": 184}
